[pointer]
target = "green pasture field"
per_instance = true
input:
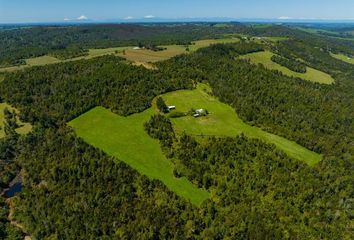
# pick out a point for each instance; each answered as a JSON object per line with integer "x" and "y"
{"x": 207, "y": 42}
{"x": 343, "y": 57}
{"x": 223, "y": 121}
{"x": 24, "y": 127}
{"x": 138, "y": 57}
{"x": 126, "y": 139}
{"x": 312, "y": 74}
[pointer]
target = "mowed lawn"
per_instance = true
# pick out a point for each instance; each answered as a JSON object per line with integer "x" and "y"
{"x": 344, "y": 58}
{"x": 24, "y": 127}
{"x": 126, "y": 139}
{"x": 223, "y": 121}
{"x": 312, "y": 74}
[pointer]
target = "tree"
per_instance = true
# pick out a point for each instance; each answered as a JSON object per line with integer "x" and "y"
{"x": 161, "y": 105}
{"x": 10, "y": 123}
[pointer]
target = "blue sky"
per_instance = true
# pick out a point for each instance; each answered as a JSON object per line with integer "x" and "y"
{"x": 12, "y": 11}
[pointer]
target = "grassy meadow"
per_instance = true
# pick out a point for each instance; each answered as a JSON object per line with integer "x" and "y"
{"x": 223, "y": 121}
{"x": 343, "y": 57}
{"x": 126, "y": 139}
{"x": 312, "y": 74}
{"x": 24, "y": 127}
{"x": 138, "y": 57}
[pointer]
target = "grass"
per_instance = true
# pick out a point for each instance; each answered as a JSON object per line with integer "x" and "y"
{"x": 148, "y": 56}
{"x": 312, "y": 74}
{"x": 343, "y": 57}
{"x": 44, "y": 60}
{"x": 138, "y": 57}
{"x": 24, "y": 127}
{"x": 126, "y": 139}
{"x": 223, "y": 121}
{"x": 207, "y": 42}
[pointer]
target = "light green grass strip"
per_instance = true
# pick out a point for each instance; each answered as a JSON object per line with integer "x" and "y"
{"x": 312, "y": 74}
{"x": 223, "y": 121}
{"x": 343, "y": 58}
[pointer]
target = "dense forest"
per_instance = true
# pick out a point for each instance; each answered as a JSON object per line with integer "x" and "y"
{"x": 18, "y": 44}
{"x": 74, "y": 191}
{"x": 56, "y": 94}
{"x": 68, "y": 42}
{"x": 291, "y": 64}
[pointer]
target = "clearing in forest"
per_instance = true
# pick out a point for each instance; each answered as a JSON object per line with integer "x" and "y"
{"x": 343, "y": 57}
{"x": 312, "y": 74}
{"x": 126, "y": 139}
{"x": 137, "y": 56}
{"x": 223, "y": 121}
{"x": 24, "y": 128}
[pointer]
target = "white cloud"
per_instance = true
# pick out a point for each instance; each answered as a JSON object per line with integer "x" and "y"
{"x": 149, "y": 16}
{"x": 128, "y": 18}
{"x": 284, "y": 18}
{"x": 82, "y": 17}
{"x": 66, "y": 19}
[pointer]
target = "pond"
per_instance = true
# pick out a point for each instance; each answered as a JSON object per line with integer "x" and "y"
{"x": 11, "y": 192}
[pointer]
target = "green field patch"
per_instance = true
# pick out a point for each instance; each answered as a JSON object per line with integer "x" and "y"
{"x": 24, "y": 127}
{"x": 126, "y": 139}
{"x": 312, "y": 74}
{"x": 136, "y": 56}
{"x": 343, "y": 58}
{"x": 208, "y": 42}
{"x": 222, "y": 121}
{"x": 44, "y": 60}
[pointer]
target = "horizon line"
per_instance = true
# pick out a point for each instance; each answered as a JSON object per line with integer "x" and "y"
{"x": 186, "y": 20}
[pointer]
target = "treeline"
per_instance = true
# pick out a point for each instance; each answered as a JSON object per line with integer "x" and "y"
{"x": 259, "y": 192}
{"x": 53, "y": 95}
{"x": 69, "y": 52}
{"x": 22, "y": 43}
{"x": 73, "y": 191}
{"x": 291, "y": 64}
{"x": 316, "y": 116}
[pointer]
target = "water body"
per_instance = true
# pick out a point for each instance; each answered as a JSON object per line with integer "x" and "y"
{"x": 14, "y": 187}
{"x": 11, "y": 192}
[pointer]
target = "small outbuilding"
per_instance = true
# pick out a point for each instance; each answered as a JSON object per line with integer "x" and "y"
{"x": 170, "y": 108}
{"x": 200, "y": 112}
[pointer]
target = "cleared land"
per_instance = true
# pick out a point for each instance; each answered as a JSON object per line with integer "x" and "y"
{"x": 126, "y": 139}
{"x": 223, "y": 121}
{"x": 138, "y": 57}
{"x": 343, "y": 58}
{"x": 312, "y": 74}
{"x": 24, "y": 127}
